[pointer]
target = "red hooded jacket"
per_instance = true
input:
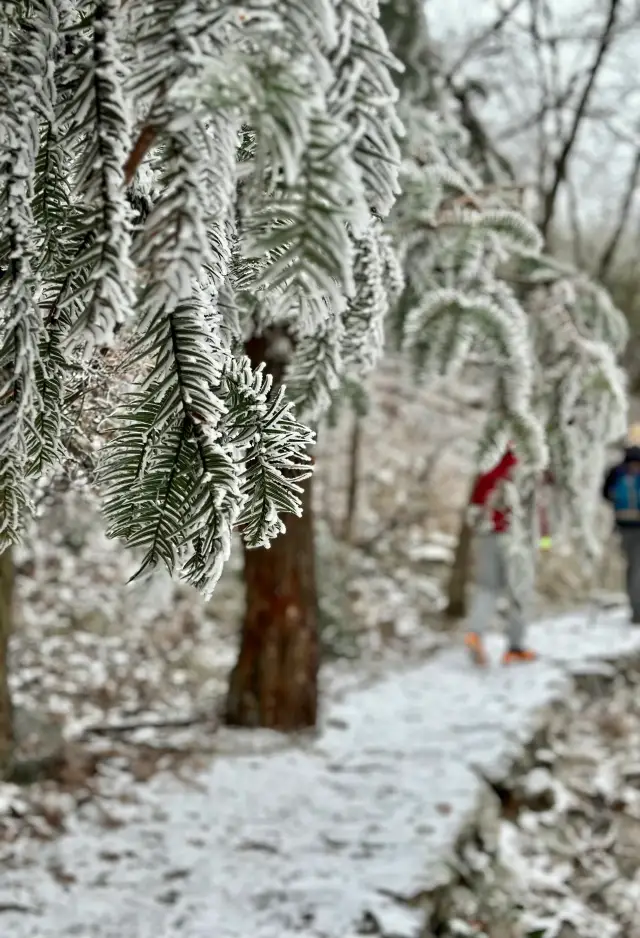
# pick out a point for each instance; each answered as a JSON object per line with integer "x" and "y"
{"x": 485, "y": 486}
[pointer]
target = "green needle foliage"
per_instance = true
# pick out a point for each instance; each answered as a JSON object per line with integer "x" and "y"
{"x": 177, "y": 177}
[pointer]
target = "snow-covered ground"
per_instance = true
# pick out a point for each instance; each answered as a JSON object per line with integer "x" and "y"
{"x": 573, "y": 848}
{"x": 278, "y": 838}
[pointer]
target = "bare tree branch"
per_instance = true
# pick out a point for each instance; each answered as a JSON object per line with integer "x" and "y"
{"x": 538, "y": 10}
{"x": 608, "y": 255}
{"x": 480, "y": 39}
{"x": 554, "y": 103}
{"x": 561, "y": 164}
{"x": 574, "y": 220}
{"x": 492, "y": 159}
{"x": 623, "y": 135}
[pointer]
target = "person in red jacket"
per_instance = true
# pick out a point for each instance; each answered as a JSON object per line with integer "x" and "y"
{"x": 491, "y": 515}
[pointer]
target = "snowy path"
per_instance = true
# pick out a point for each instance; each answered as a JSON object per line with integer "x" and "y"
{"x": 288, "y": 840}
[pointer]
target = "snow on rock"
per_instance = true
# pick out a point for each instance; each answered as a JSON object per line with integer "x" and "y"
{"x": 332, "y": 836}
{"x": 431, "y": 553}
{"x": 445, "y": 539}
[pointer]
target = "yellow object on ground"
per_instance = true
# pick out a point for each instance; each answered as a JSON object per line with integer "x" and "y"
{"x": 633, "y": 437}
{"x": 545, "y": 543}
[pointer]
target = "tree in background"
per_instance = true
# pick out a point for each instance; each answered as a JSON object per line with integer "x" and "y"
{"x": 546, "y": 339}
{"x": 558, "y": 120}
{"x": 545, "y": 90}
{"x": 623, "y": 281}
{"x": 190, "y": 198}
{"x": 7, "y": 739}
{"x": 454, "y": 231}
{"x": 579, "y": 336}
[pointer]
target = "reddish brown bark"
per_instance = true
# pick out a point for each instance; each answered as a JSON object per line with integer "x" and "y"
{"x": 6, "y": 623}
{"x": 274, "y": 683}
{"x": 143, "y": 144}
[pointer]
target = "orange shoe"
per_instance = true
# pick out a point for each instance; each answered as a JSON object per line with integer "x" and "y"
{"x": 516, "y": 657}
{"x": 475, "y": 647}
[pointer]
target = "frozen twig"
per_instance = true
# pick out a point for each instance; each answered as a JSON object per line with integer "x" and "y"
{"x": 107, "y": 729}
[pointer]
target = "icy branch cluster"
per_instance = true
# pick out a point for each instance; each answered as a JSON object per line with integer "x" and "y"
{"x": 177, "y": 177}
{"x": 478, "y": 290}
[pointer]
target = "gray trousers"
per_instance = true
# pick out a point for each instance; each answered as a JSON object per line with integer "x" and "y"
{"x": 492, "y": 581}
{"x": 630, "y": 538}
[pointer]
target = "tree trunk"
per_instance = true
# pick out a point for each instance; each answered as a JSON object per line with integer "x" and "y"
{"x": 353, "y": 476}
{"x": 458, "y": 580}
{"x": 6, "y": 623}
{"x": 274, "y": 683}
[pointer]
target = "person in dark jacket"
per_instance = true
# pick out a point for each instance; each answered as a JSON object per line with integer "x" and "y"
{"x": 621, "y": 489}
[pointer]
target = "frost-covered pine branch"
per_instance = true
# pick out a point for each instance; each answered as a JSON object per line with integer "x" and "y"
{"x": 477, "y": 287}
{"x": 549, "y": 338}
{"x": 580, "y": 388}
{"x": 175, "y": 179}
{"x": 454, "y": 238}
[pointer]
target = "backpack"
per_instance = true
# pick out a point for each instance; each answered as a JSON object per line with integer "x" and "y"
{"x": 625, "y": 496}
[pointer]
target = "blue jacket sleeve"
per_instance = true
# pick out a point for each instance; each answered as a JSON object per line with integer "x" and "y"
{"x": 609, "y": 481}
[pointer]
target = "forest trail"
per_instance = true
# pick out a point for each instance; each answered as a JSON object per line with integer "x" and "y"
{"x": 314, "y": 837}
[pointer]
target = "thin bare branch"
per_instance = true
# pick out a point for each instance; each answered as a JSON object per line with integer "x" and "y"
{"x": 547, "y": 94}
{"x": 574, "y": 220}
{"x": 561, "y": 164}
{"x": 609, "y": 253}
{"x": 494, "y": 161}
{"x": 555, "y": 102}
{"x": 479, "y": 40}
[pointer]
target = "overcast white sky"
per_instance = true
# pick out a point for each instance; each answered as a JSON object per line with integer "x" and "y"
{"x": 602, "y": 161}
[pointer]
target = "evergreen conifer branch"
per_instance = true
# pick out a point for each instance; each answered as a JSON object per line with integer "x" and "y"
{"x": 190, "y": 174}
